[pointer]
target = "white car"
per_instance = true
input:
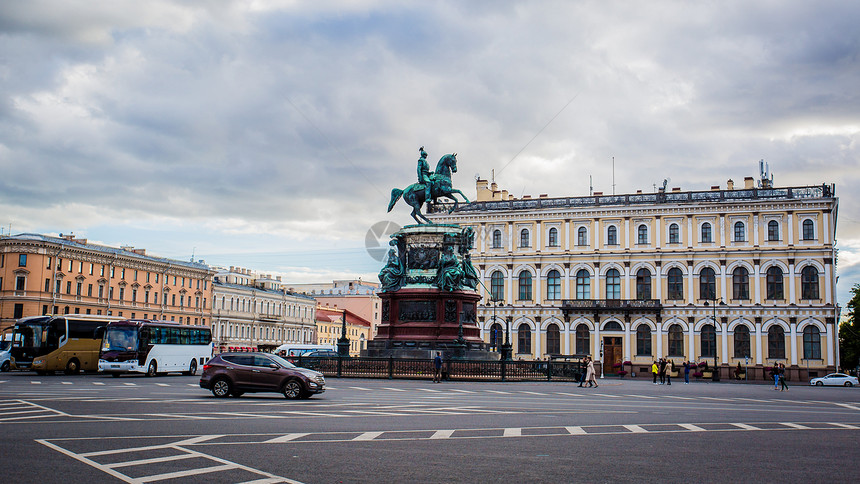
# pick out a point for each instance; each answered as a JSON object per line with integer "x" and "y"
{"x": 5, "y": 360}
{"x": 835, "y": 379}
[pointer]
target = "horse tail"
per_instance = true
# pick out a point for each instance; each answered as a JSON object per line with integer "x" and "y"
{"x": 396, "y": 193}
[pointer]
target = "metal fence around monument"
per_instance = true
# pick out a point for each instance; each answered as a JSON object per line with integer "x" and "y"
{"x": 452, "y": 369}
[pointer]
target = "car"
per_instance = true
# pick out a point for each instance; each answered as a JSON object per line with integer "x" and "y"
{"x": 238, "y": 373}
{"x": 835, "y": 379}
{"x": 5, "y": 360}
{"x": 320, "y": 354}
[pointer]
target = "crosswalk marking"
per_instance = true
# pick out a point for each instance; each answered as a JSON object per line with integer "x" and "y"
{"x": 394, "y": 389}
{"x": 368, "y": 436}
{"x": 362, "y": 389}
{"x": 692, "y": 428}
{"x": 635, "y": 429}
{"x": 35, "y": 383}
{"x": 513, "y": 432}
{"x": 286, "y": 438}
{"x": 575, "y": 430}
{"x": 845, "y": 426}
{"x": 441, "y": 434}
{"x": 796, "y": 426}
{"x": 745, "y": 426}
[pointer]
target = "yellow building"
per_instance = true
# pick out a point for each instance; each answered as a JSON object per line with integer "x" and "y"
{"x": 40, "y": 274}
{"x": 330, "y": 327}
{"x": 738, "y": 275}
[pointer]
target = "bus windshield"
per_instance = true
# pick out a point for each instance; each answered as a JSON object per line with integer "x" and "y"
{"x": 120, "y": 338}
{"x": 29, "y": 335}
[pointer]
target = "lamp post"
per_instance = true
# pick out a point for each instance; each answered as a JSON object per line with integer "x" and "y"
{"x": 343, "y": 341}
{"x": 716, "y": 372}
{"x": 507, "y": 349}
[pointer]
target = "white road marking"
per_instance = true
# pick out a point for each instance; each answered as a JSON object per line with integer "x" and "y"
{"x": 367, "y": 436}
{"x": 361, "y": 388}
{"x": 513, "y": 432}
{"x": 575, "y": 430}
{"x": 692, "y": 428}
{"x": 393, "y": 389}
{"x": 441, "y": 434}
{"x": 745, "y": 426}
{"x": 635, "y": 429}
{"x": 35, "y": 383}
{"x": 285, "y": 438}
{"x": 845, "y": 426}
{"x": 162, "y": 384}
{"x": 428, "y": 390}
{"x": 98, "y": 383}
{"x": 796, "y": 426}
{"x": 497, "y": 391}
{"x": 67, "y": 383}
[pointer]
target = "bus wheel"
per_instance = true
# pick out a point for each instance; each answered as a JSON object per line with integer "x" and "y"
{"x": 73, "y": 367}
{"x": 153, "y": 368}
{"x": 192, "y": 370}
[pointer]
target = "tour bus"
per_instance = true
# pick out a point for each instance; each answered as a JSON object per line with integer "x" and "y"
{"x": 68, "y": 342}
{"x": 153, "y": 347}
{"x": 296, "y": 349}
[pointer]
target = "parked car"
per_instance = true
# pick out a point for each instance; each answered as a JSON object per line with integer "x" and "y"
{"x": 835, "y": 379}
{"x": 238, "y": 373}
{"x": 5, "y": 359}
{"x": 321, "y": 354}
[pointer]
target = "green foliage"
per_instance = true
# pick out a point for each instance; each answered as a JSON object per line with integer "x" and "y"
{"x": 849, "y": 332}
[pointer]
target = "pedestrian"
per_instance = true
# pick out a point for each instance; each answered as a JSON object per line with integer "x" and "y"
{"x": 662, "y": 371}
{"x": 686, "y": 373}
{"x": 589, "y": 374}
{"x": 774, "y": 371}
{"x": 654, "y": 372}
{"x": 582, "y": 370}
{"x": 784, "y": 386}
{"x": 668, "y": 372}
{"x": 437, "y": 367}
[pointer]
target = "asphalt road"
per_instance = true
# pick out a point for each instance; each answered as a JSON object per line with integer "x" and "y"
{"x": 93, "y": 428}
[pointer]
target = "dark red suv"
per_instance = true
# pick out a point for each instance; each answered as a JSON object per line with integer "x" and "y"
{"x": 237, "y": 373}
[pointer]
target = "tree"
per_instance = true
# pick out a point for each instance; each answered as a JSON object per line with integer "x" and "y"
{"x": 849, "y": 332}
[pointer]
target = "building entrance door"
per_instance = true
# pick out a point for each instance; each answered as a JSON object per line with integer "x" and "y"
{"x": 612, "y": 354}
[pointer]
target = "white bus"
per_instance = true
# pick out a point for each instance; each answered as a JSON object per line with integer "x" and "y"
{"x": 296, "y": 349}
{"x": 154, "y": 347}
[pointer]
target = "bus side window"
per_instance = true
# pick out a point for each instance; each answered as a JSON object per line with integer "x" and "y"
{"x": 144, "y": 337}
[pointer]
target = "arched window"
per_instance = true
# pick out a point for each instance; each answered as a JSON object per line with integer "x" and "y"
{"x": 583, "y": 284}
{"x": 553, "y": 237}
{"x": 742, "y": 341}
{"x": 612, "y": 235}
{"x": 774, "y": 283}
{"x": 582, "y": 236}
{"x": 643, "y": 234}
{"x": 740, "y": 283}
{"x": 643, "y": 340}
{"x": 808, "y": 230}
{"x": 497, "y": 336}
{"x": 773, "y": 230}
{"x": 613, "y": 326}
{"x": 643, "y": 284}
{"x": 497, "y": 286}
{"x": 553, "y": 340}
{"x": 583, "y": 340}
{"x": 676, "y": 340}
{"x": 740, "y": 232}
{"x": 707, "y": 235}
{"x": 708, "y": 341}
{"x": 775, "y": 342}
{"x": 613, "y": 284}
{"x": 674, "y": 234}
{"x": 525, "y": 286}
{"x": 811, "y": 343}
{"x": 524, "y": 238}
{"x": 524, "y": 339}
{"x": 809, "y": 283}
{"x": 497, "y": 239}
{"x": 676, "y": 284}
{"x": 553, "y": 285}
{"x": 707, "y": 284}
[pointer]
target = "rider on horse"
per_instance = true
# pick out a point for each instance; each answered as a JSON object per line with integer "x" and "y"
{"x": 424, "y": 174}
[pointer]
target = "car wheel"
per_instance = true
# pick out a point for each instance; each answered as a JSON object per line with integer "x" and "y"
{"x": 292, "y": 389}
{"x": 192, "y": 369}
{"x": 818, "y": 383}
{"x": 849, "y": 384}
{"x": 73, "y": 367}
{"x": 5, "y": 366}
{"x": 153, "y": 368}
{"x": 222, "y": 387}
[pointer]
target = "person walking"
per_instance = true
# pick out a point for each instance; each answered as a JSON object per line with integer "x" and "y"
{"x": 686, "y": 373}
{"x": 668, "y": 372}
{"x": 662, "y": 370}
{"x": 784, "y": 386}
{"x": 654, "y": 371}
{"x": 775, "y": 372}
{"x": 589, "y": 374}
{"x": 582, "y": 371}
{"x": 437, "y": 367}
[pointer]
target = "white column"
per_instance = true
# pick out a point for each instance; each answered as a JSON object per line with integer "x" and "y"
{"x": 596, "y": 232}
{"x": 483, "y": 238}
{"x": 627, "y": 234}
{"x": 566, "y": 235}
{"x": 658, "y": 278}
{"x": 567, "y": 284}
{"x": 690, "y": 232}
{"x": 657, "y": 232}
{"x": 724, "y": 348}
{"x": 566, "y": 333}
{"x": 755, "y": 229}
{"x": 690, "y": 287}
{"x": 538, "y": 286}
{"x": 510, "y": 287}
{"x": 755, "y": 285}
{"x": 659, "y": 335}
{"x": 791, "y": 284}
{"x": 596, "y": 351}
{"x": 596, "y": 284}
{"x": 691, "y": 340}
{"x": 723, "y": 283}
{"x": 830, "y": 360}
{"x": 510, "y": 237}
{"x": 627, "y": 355}
{"x": 627, "y": 282}
{"x": 789, "y": 235}
{"x": 538, "y": 237}
{"x": 825, "y": 220}
{"x": 723, "y": 231}
{"x": 758, "y": 345}
{"x": 537, "y": 338}
{"x": 827, "y": 284}
{"x": 793, "y": 333}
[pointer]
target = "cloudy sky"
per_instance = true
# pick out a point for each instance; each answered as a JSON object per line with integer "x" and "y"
{"x": 268, "y": 134}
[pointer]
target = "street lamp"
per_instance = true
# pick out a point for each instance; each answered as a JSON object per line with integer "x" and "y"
{"x": 343, "y": 341}
{"x": 716, "y": 372}
{"x": 507, "y": 349}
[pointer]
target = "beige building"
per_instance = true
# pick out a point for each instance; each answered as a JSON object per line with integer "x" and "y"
{"x": 330, "y": 327}
{"x": 741, "y": 275}
{"x": 354, "y": 295}
{"x": 41, "y": 274}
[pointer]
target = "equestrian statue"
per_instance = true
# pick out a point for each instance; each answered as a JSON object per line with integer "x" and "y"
{"x": 430, "y": 186}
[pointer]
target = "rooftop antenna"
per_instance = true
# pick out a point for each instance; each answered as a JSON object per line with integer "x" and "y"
{"x": 493, "y": 175}
{"x": 613, "y": 175}
{"x": 192, "y": 253}
{"x": 590, "y": 186}
{"x": 765, "y": 174}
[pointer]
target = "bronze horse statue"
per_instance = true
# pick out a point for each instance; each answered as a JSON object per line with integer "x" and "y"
{"x": 440, "y": 186}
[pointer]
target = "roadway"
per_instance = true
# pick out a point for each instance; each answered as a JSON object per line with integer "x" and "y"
{"x": 166, "y": 429}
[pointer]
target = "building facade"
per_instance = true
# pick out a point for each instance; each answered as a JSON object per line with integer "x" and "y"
{"x": 354, "y": 295}
{"x": 727, "y": 276}
{"x": 41, "y": 274}
{"x": 256, "y": 311}
{"x": 330, "y": 327}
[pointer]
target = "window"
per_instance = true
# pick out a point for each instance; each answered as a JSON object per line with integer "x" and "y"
{"x": 553, "y": 237}
{"x": 674, "y": 234}
{"x": 583, "y": 284}
{"x": 525, "y": 286}
{"x": 20, "y": 283}
{"x": 742, "y": 342}
{"x": 583, "y": 340}
{"x": 776, "y": 342}
{"x": 707, "y": 284}
{"x": 707, "y": 236}
{"x": 643, "y": 340}
{"x": 643, "y": 284}
{"x": 497, "y": 336}
{"x": 740, "y": 232}
{"x": 808, "y": 230}
{"x": 497, "y": 239}
{"x": 773, "y": 230}
{"x": 676, "y": 284}
{"x": 740, "y": 283}
{"x": 809, "y": 283}
{"x": 524, "y": 339}
{"x": 497, "y": 287}
{"x": 676, "y": 340}
{"x": 68, "y": 287}
{"x": 643, "y": 234}
{"x": 553, "y": 340}
{"x": 774, "y": 283}
{"x": 582, "y": 236}
{"x": 553, "y": 285}
{"x": 613, "y": 284}
{"x": 709, "y": 341}
{"x": 612, "y": 235}
{"x": 811, "y": 343}
{"x": 524, "y": 238}
{"x": 22, "y": 260}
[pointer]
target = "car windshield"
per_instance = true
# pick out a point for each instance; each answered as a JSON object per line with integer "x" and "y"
{"x": 5, "y": 345}
{"x": 282, "y": 362}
